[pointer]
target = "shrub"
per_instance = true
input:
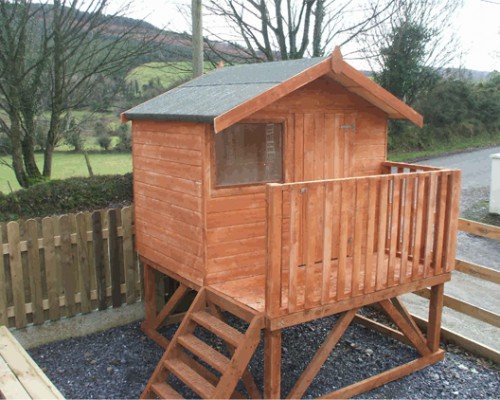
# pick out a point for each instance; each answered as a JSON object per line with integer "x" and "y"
{"x": 125, "y": 138}
{"x": 67, "y": 195}
{"x": 104, "y": 140}
{"x": 73, "y": 135}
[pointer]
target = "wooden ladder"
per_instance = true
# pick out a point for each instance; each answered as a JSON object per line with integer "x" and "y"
{"x": 181, "y": 359}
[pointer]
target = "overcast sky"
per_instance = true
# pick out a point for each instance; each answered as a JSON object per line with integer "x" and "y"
{"x": 477, "y": 25}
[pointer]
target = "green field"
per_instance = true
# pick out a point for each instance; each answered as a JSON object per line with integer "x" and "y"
{"x": 68, "y": 164}
{"x": 168, "y": 73}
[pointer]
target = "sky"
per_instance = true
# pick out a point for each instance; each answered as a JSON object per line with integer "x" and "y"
{"x": 477, "y": 26}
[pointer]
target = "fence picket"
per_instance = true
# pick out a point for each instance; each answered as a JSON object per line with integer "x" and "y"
{"x": 67, "y": 269}
{"x": 4, "y": 318}
{"x": 114, "y": 259}
{"x": 16, "y": 272}
{"x": 130, "y": 268}
{"x": 99, "y": 259}
{"x": 83, "y": 262}
{"x": 51, "y": 275}
{"x": 35, "y": 274}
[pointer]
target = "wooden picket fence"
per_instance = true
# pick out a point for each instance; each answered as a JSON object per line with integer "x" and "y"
{"x": 60, "y": 266}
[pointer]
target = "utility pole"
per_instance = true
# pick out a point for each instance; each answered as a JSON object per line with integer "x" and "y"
{"x": 197, "y": 38}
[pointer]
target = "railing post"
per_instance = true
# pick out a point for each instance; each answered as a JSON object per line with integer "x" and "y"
{"x": 274, "y": 197}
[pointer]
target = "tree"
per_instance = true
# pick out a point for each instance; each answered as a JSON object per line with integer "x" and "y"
{"x": 290, "y": 29}
{"x": 407, "y": 50}
{"x": 53, "y": 56}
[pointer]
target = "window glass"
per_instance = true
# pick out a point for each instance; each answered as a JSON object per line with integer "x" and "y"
{"x": 249, "y": 153}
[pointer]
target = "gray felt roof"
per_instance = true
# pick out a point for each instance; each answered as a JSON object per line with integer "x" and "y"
{"x": 204, "y": 98}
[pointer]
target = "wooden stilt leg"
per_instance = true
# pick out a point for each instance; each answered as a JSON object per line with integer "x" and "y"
{"x": 272, "y": 364}
{"x": 435, "y": 312}
{"x": 150, "y": 309}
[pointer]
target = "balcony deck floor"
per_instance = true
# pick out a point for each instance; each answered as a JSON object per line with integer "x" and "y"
{"x": 251, "y": 290}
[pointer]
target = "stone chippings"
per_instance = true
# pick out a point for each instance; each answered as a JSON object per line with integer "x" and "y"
{"x": 118, "y": 362}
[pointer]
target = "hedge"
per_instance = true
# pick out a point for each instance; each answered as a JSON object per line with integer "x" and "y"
{"x": 67, "y": 195}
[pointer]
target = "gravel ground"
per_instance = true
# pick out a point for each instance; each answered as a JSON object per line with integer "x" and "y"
{"x": 117, "y": 363}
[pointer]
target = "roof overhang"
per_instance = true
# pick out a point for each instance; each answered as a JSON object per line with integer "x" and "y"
{"x": 339, "y": 70}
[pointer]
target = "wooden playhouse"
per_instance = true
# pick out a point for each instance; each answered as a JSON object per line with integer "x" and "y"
{"x": 265, "y": 188}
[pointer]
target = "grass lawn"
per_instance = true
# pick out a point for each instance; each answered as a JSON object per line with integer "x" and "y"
{"x": 462, "y": 145}
{"x": 68, "y": 164}
{"x": 169, "y": 73}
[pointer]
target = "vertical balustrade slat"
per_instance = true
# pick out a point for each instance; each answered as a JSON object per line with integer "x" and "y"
{"x": 114, "y": 259}
{"x": 407, "y": 226}
{"x": 430, "y": 220}
{"x": 273, "y": 268}
{"x": 451, "y": 231}
{"x": 16, "y": 272}
{"x": 327, "y": 242}
{"x": 382, "y": 232}
{"x": 310, "y": 236}
{"x": 343, "y": 238}
{"x": 440, "y": 221}
{"x": 359, "y": 229}
{"x": 66, "y": 259}
{"x": 4, "y": 319}
{"x": 34, "y": 271}
{"x": 83, "y": 262}
{"x": 419, "y": 214}
{"x": 295, "y": 215}
{"x": 99, "y": 259}
{"x": 394, "y": 229}
{"x": 128, "y": 256}
{"x": 51, "y": 269}
{"x": 370, "y": 233}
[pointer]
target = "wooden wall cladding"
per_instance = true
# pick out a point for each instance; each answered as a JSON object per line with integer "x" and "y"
{"x": 168, "y": 166}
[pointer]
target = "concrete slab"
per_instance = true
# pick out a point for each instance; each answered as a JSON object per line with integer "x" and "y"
{"x": 80, "y": 325}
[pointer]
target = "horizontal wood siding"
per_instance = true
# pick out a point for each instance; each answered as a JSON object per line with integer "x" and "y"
{"x": 168, "y": 195}
{"x": 329, "y": 133}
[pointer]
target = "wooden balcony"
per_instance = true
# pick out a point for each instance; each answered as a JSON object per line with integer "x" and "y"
{"x": 337, "y": 244}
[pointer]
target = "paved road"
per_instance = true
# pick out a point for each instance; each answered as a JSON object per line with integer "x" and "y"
{"x": 476, "y": 176}
{"x": 475, "y": 166}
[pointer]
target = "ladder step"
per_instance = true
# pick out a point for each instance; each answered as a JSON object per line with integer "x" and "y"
{"x": 220, "y": 328}
{"x": 190, "y": 377}
{"x": 205, "y": 352}
{"x": 165, "y": 391}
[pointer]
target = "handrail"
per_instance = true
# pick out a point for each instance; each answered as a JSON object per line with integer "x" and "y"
{"x": 334, "y": 239}
{"x": 400, "y": 167}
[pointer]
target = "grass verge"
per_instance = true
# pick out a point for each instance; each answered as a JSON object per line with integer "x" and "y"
{"x": 69, "y": 164}
{"x": 465, "y": 144}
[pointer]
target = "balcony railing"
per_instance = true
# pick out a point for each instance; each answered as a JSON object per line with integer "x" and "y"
{"x": 332, "y": 240}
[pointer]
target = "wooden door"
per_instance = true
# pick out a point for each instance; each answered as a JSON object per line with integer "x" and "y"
{"x": 324, "y": 145}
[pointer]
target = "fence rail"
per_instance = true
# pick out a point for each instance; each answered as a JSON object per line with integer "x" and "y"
{"x": 59, "y": 266}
